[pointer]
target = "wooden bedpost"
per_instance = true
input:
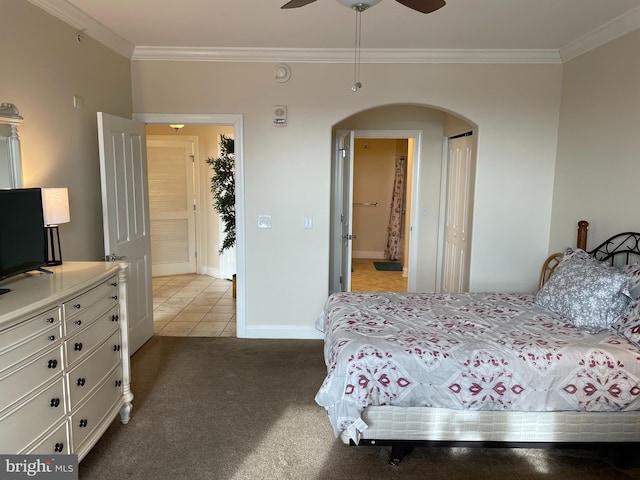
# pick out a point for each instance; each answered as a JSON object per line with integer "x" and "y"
{"x": 583, "y": 226}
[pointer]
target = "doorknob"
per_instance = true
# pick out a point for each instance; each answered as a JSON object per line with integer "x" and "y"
{"x": 349, "y": 237}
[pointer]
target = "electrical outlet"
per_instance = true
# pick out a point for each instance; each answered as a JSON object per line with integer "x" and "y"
{"x": 308, "y": 222}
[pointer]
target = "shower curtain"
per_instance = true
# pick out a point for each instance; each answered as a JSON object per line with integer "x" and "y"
{"x": 394, "y": 228}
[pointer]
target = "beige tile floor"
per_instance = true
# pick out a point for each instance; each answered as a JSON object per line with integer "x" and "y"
{"x": 365, "y": 278}
{"x": 193, "y": 306}
{"x": 201, "y": 306}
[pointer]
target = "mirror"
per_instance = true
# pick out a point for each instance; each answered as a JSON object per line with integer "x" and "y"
{"x": 10, "y": 162}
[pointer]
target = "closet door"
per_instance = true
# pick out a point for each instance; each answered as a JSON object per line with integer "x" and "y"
{"x": 459, "y": 194}
{"x": 170, "y": 163}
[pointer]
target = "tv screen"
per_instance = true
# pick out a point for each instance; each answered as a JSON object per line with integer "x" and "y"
{"x": 22, "y": 235}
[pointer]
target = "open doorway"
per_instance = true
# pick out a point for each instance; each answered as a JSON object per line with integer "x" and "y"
{"x": 207, "y": 128}
{"x": 428, "y": 130}
{"x": 381, "y": 205}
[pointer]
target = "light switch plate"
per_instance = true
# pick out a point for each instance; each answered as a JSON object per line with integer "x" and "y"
{"x": 264, "y": 221}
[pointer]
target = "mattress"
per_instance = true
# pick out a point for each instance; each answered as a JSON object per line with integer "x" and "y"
{"x": 438, "y": 424}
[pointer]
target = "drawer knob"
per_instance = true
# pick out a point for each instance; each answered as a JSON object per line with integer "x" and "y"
{"x": 78, "y": 322}
{"x": 59, "y": 447}
{"x": 81, "y": 382}
{"x": 83, "y": 423}
{"x": 77, "y": 347}
{"x": 50, "y": 320}
{"x": 55, "y": 402}
{"x": 77, "y": 306}
{"x": 118, "y": 383}
{"x": 116, "y": 348}
{"x": 52, "y": 363}
{"x": 52, "y": 337}
{"x": 114, "y": 297}
{"x": 114, "y": 318}
{"x": 114, "y": 284}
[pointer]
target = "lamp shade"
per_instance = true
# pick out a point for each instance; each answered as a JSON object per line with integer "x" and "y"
{"x": 55, "y": 206}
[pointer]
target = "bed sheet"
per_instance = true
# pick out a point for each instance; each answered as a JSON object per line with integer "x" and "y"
{"x": 482, "y": 351}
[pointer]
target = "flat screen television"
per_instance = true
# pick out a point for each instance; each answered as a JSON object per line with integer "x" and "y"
{"x": 23, "y": 244}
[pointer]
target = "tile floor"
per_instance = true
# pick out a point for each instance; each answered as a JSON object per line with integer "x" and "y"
{"x": 201, "y": 306}
{"x": 193, "y": 306}
{"x": 365, "y": 278}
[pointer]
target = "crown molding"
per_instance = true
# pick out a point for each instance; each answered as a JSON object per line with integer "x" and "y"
{"x": 609, "y": 31}
{"x": 343, "y": 55}
{"x": 73, "y": 16}
{"x": 79, "y": 20}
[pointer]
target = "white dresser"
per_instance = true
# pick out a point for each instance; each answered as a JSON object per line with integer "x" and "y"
{"x": 64, "y": 358}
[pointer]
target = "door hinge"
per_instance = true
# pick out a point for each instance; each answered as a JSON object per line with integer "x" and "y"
{"x": 343, "y": 151}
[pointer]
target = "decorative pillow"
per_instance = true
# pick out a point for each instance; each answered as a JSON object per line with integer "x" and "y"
{"x": 629, "y": 324}
{"x": 590, "y": 294}
{"x": 634, "y": 272}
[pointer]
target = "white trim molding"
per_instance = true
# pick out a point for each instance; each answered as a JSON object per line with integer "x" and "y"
{"x": 72, "y": 15}
{"x": 342, "y": 55}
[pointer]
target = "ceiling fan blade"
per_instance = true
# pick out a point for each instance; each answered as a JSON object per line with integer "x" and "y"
{"x": 423, "y": 6}
{"x": 297, "y": 3}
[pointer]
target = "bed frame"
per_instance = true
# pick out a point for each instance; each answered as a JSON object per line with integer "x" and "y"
{"x": 403, "y": 428}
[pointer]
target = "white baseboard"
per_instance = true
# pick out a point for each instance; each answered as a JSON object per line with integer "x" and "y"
{"x": 281, "y": 332}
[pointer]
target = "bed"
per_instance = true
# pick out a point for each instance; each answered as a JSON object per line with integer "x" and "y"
{"x": 558, "y": 367}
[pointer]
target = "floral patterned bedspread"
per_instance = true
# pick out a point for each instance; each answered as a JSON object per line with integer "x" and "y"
{"x": 468, "y": 351}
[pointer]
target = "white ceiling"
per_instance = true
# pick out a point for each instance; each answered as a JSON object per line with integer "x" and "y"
{"x": 545, "y": 29}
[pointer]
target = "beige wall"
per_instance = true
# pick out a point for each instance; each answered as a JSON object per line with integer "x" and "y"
{"x": 287, "y": 170}
{"x": 43, "y": 67}
{"x": 598, "y": 168}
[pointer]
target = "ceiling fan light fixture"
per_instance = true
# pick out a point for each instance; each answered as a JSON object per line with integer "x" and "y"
{"x": 360, "y": 5}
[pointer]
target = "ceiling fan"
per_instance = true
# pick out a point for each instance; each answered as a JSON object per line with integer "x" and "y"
{"x": 359, "y": 6}
{"x": 422, "y": 6}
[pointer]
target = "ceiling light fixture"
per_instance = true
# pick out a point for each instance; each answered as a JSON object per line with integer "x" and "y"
{"x": 177, "y": 127}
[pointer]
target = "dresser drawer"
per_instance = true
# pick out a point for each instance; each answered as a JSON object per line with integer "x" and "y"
{"x": 19, "y": 382}
{"x": 91, "y": 372}
{"x": 106, "y": 290}
{"x": 45, "y": 338}
{"x": 15, "y": 336}
{"x": 90, "y": 314}
{"x": 96, "y": 408}
{"x": 81, "y": 344}
{"x": 38, "y": 415}
{"x": 57, "y": 442}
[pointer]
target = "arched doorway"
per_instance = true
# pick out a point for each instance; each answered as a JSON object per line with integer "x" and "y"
{"x": 429, "y": 129}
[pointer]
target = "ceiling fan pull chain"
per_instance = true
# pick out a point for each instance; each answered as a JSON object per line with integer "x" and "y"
{"x": 356, "y": 63}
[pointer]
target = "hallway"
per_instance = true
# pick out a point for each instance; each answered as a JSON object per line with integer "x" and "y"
{"x": 193, "y": 306}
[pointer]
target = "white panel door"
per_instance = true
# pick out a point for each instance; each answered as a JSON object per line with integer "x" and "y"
{"x": 125, "y": 213}
{"x": 345, "y": 162}
{"x": 455, "y": 277}
{"x": 170, "y": 164}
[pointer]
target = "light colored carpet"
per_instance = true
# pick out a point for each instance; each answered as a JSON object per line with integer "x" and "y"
{"x": 227, "y": 408}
